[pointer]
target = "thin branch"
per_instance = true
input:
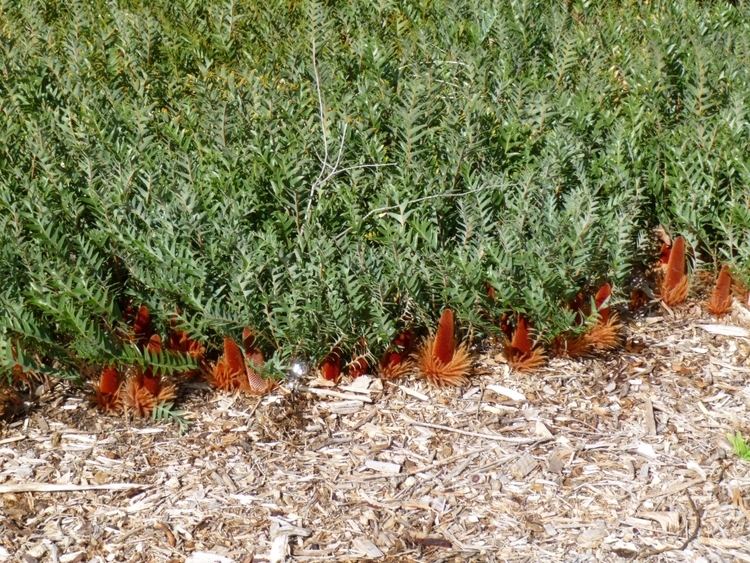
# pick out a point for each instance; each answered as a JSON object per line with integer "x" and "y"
{"x": 54, "y": 488}
{"x": 323, "y": 129}
{"x": 411, "y": 202}
{"x": 486, "y": 436}
{"x": 650, "y": 552}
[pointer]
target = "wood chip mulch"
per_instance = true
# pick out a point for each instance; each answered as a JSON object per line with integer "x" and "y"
{"x": 612, "y": 459}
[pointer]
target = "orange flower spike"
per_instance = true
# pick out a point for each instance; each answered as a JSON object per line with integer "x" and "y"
{"x": 234, "y": 361}
{"x": 491, "y": 292}
{"x": 357, "y": 367}
{"x": 330, "y": 367}
{"x": 676, "y": 263}
{"x": 601, "y": 297}
{"x": 151, "y": 382}
{"x": 520, "y": 352}
{"x": 440, "y": 361}
{"x": 154, "y": 345}
{"x": 445, "y": 341}
{"x": 107, "y": 390}
{"x": 405, "y": 340}
{"x": 142, "y": 325}
{"x": 521, "y": 341}
{"x": 391, "y": 359}
{"x": 721, "y": 298}
{"x": 674, "y": 286}
{"x": 109, "y": 381}
{"x": 664, "y": 253}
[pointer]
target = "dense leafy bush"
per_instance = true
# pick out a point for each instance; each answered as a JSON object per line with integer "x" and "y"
{"x": 327, "y": 172}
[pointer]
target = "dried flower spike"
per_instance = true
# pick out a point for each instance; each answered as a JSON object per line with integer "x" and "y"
{"x": 520, "y": 352}
{"x": 440, "y": 361}
{"x": 674, "y": 286}
{"x": 720, "y": 301}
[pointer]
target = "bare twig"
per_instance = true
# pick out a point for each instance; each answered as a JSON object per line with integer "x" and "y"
{"x": 327, "y": 170}
{"x": 411, "y": 202}
{"x": 429, "y": 467}
{"x": 496, "y": 437}
{"x": 53, "y": 488}
{"x": 691, "y": 537}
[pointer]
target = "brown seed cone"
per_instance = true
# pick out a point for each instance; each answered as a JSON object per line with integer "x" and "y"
{"x": 453, "y": 373}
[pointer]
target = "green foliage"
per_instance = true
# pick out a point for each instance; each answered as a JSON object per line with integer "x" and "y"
{"x": 739, "y": 445}
{"x": 166, "y": 411}
{"x": 326, "y": 172}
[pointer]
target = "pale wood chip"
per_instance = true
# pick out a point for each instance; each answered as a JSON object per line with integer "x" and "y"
{"x": 367, "y": 548}
{"x": 383, "y": 466}
{"x": 512, "y": 394}
{"x": 726, "y": 330}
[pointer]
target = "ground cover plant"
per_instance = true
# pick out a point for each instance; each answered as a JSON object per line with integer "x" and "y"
{"x": 334, "y": 176}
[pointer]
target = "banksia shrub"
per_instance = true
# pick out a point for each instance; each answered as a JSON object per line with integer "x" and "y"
{"x": 457, "y": 182}
{"x": 440, "y": 360}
